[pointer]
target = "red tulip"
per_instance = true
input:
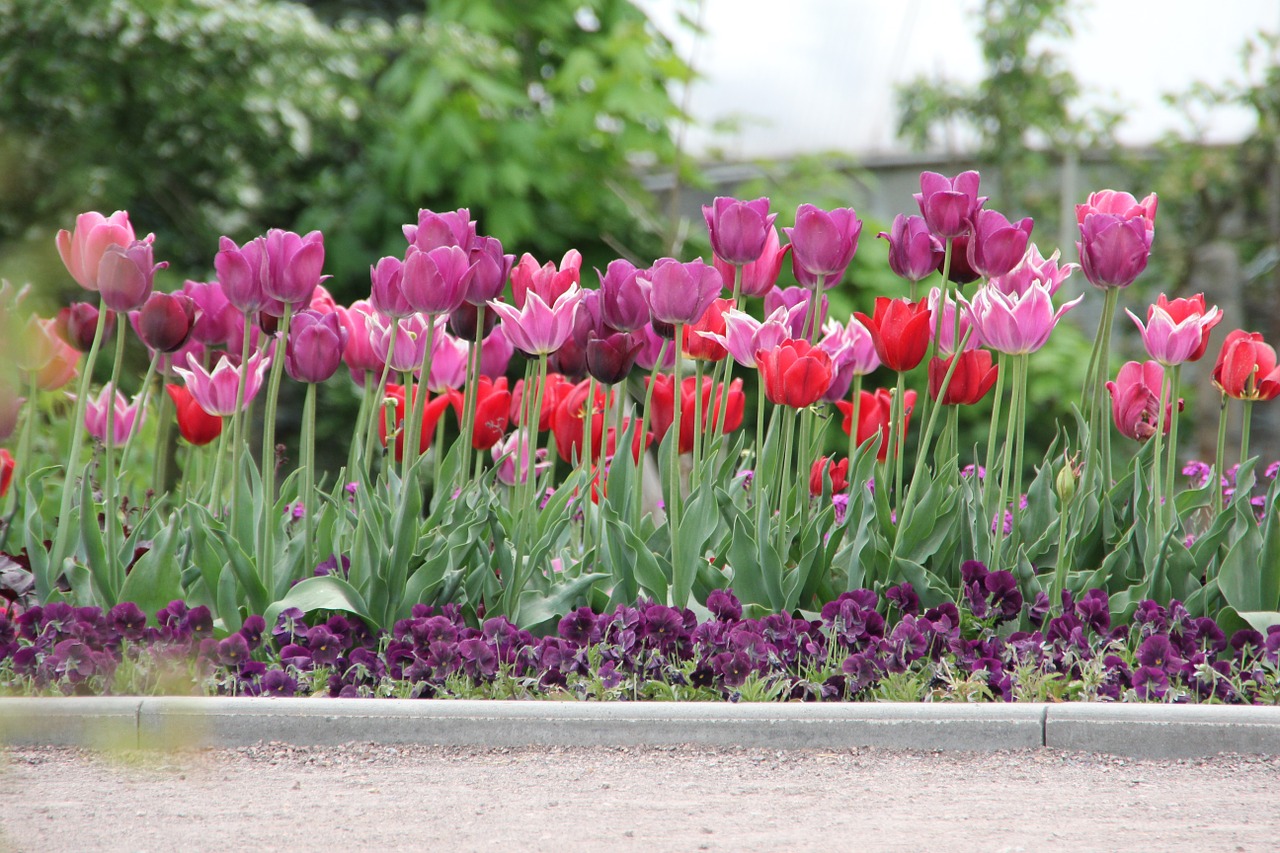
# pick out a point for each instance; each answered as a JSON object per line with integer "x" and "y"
{"x": 826, "y": 468}
{"x": 873, "y": 417}
{"x": 493, "y": 411}
{"x": 430, "y": 417}
{"x": 794, "y": 373}
{"x": 570, "y": 418}
{"x": 663, "y": 410}
{"x": 973, "y": 378}
{"x": 557, "y": 387}
{"x": 1246, "y": 368}
{"x": 900, "y": 331}
{"x": 712, "y": 321}
{"x": 1181, "y": 309}
{"x": 7, "y": 464}
{"x": 194, "y": 424}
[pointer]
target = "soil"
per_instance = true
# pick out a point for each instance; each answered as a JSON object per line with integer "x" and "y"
{"x": 368, "y": 796}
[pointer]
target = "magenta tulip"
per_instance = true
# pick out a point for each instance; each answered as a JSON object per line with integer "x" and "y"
{"x": 126, "y": 418}
{"x": 824, "y": 242}
{"x": 949, "y": 205}
{"x": 491, "y": 270}
{"x": 125, "y": 275}
{"x": 213, "y": 311}
{"x": 1016, "y": 323}
{"x": 622, "y": 301}
{"x": 217, "y": 391}
{"x": 739, "y": 229}
{"x": 539, "y": 328}
{"x": 1135, "y": 400}
{"x": 435, "y": 230}
{"x": 495, "y": 354}
{"x": 386, "y": 293}
{"x": 547, "y": 281}
{"x": 165, "y": 321}
{"x": 1171, "y": 342}
{"x": 914, "y": 253}
{"x": 1115, "y": 237}
{"x": 759, "y": 276}
{"x": 315, "y": 346}
{"x": 680, "y": 293}
{"x": 997, "y": 245}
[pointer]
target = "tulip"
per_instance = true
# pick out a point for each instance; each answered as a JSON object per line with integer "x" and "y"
{"x": 495, "y": 354}
{"x": 662, "y": 414}
{"x": 823, "y": 243}
{"x": 1113, "y": 251}
{"x": 432, "y": 412}
{"x": 436, "y": 281}
{"x": 949, "y": 205}
{"x": 448, "y": 363}
{"x": 125, "y": 275}
{"x": 853, "y": 353}
{"x": 1121, "y": 204}
{"x": 51, "y": 359}
{"x": 10, "y": 407}
{"x": 1034, "y": 269}
{"x": 1016, "y": 324}
{"x": 946, "y": 331}
{"x": 387, "y": 292}
{"x": 491, "y": 270}
{"x": 653, "y": 346}
{"x": 960, "y": 272}
{"x": 1170, "y": 342}
{"x": 271, "y": 271}
{"x": 546, "y": 281}
{"x": 700, "y": 338}
{"x": 794, "y": 374}
{"x": 914, "y": 253}
{"x": 511, "y": 456}
{"x": 7, "y": 464}
{"x": 464, "y": 320}
{"x": 569, "y": 420}
{"x": 125, "y": 419}
{"x": 77, "y": 323}
{"x": 744, "y": 335}
{"x": 1181, "y": 310}
{"x": 1135, "y": 400}
{"x": 322, "y": 301}
{"x": 900, "y": 330}
{"x": 679, "y": 294}
{"x": 410, "y": 341}
{"x": 571, "y": 358}
{"x": 996, "y": 245}
{"x": 539, "y": 328}
{"x": 1246, "y": 368}
{"x": 623, "y": 305}
{"x": 435, "y": 230}
{"x": 213, "y": 312}
{"x": 610, "y": 358}
{"x": 759, "y": 276}
{"x": 492, "y": 412}
{"x": 739, "y": 229}
{"x": 796, "y": 302}
{"x": 874, "y": 413}
{"x": 972, "y": 379}
{"x": 359, "y": 352}
{"x": 315, "y": 346}
{"x": 217, "y": 391}
{"x": 555, "y": 389}
{"x": 164, "y": 323}
{"x": 827, "y": 470}
{"x": 196, "y": 425}
{"x": 82, "y": 250}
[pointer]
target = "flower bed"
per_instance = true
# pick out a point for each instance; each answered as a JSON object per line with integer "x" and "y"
{"x": 860, "y": 648}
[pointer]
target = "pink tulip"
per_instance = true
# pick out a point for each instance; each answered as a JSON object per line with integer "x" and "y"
{"x": 823, "y": 242}
{"x": 539, "y": 328}
{"x": 680, "y": 293}
{"x": 358, "y": 353}
{"x": 1121, "y": 204}
{"x": 547, "y": 281}
{"x": 511, "y": 456}
{"x": 1171, "y": 342}
{"x": 126, "y": 418}
{"x": 315, "y": 346}
{"x": 796, "y": 302}
{"x": 914, "y": 253}
{"x": 738, "y": 229}
{"x": 1034, "y": 269}
{"x": 853, "y": 353}
{"x": 434, "y": 230}
{"x": 448, "y": 362}
{"x": 125, "y": 275}
{"x": 436, "y": 281}
{"x": 946, "y": 341}
{"x": 622, "y": 300}
{"x": 492, "y": 269}
{"x": 744, "y": 335}
{"x": 997, "y": 245}
{"x": 410, "y": 335}
{"x": 1135, "y": 400}
{"x": 217, "y": 391}
{"x": 949, "y": 205}
{"x": 213, "y": 311}
{"x": 495, "y": 354}
{"x": 758, "y": 276}
{"x": 387, "y": 292}
{"x": 82, "y": 250}
{"x": 1016, "y": 323}
{"x": 647, "y": 357}
{"x": 270, "y": 271}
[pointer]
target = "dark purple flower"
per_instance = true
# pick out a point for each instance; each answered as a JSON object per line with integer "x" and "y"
{"x": 1150, "y": 683}
{"x": 252, "y": 630}
{"x": 233, "y": 650}
{"x": 128, "y": 620}
{"x": 732, "y": 667}
{"x": 579, "y": 626}
{"x": 479, "y": 660}
{"x": 278, "y": 683}
{"x": 904, "y": 596}
{"x": 724, "y": 605}
{"x": 325, "y": 647}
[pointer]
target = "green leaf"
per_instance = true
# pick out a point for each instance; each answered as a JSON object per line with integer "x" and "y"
{"x": 154, "y": 580}
{"x": 95, "y": 551}
{"x": 328, "y": 592}
{"x": 698, "y": 522}
{"x": 537, "y": 608}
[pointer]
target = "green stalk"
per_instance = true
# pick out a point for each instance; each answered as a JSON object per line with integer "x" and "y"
{"x": 215, "y": 488}
{"x": 375, "y": 422}
{"x": 853, "y": 431}
{"x": 988, "y": 481}
{"x": 44, "y": 585}
{"x": 110, "y": 510}
{"x": 938, "y": 314}
{"x": 585, "y": 461}
{"x": 309, "y": 475}
{"x": 143, "y": 398}
{"x": 1060, "y": 568}
{"x": 1221, "y": 459}
{"x": 815, "y": 300}
{"x": 1010, "y": 440}
{"x": 239, "y": 441}
{"x": 899, "y": 431}
{"x": 1172, "y": 462}
{"x": 644, "y": 425}
{"x": 413, "y": 427}
{"x": 166, "y": 412}
{"x": 266, "y": 560}
{"x": 1023, "y": 362}
{"x": 699, "y": 434}
{"x": 917, "y": 474}
{"x": 728, "y": 360}
{"x": 22, "y": 465}
{"x": 360, "y": 433}
{"x": 784, "y": 486}
{"x": 1244, "y": 431}
{"x": 471, "y": 391}
{"x": 1157, "y": 508}
{"x": 673, "y": 500}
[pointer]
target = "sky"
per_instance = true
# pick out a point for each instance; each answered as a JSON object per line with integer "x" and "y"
{"x": 821, "y": 75}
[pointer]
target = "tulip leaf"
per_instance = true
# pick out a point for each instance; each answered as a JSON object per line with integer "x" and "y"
{"x": 95, "y": 552}
{"x": 537, "y": 608}
{"x": 698, "y": 522}
{"x": 327, "y": 592}
{"x": 1239, "y": 578}
{"x": 153, "y": 581}
{"x": 33, "y": 532}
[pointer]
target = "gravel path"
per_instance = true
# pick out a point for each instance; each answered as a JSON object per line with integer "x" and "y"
{"x": 366, "y": 796}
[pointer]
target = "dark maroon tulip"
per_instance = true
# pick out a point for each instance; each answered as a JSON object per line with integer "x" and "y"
{"x": 165, "y": 321}
{"x": 77, "y": 322}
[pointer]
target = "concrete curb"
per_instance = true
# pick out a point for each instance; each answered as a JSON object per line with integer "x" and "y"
{"x": 1142, "y": 731}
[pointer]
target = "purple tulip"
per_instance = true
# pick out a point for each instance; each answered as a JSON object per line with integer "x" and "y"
{"x": 269, "y": 272}
{"x": 511, "y": 456}
{"x": 914, "y": 253}
{"x": 611, "y": 357}
{"x": 436, "y": 281}
{"x": 448, "y": 362}
{"x": 435, "y": 230}
{"x": 1034, "y": 269}
{"x": 1016, "y": 323}
{"x": 387, "y": 291}
{"x": 165, "y": 321}
{"x": 946, "y": 342}
{"x": 853, "y": 353}
{"x": 125, "y": 275}
{"x": 758, "y": 276}
{"x": 744, "y": 335}
{"x": 410, "y": 337}
{"x": 949, "y": 205}
{"x": 1113, "y": 250}
{"x": 211, "y": 303}
{"x": 823, "y": 242}
{"x": 315, "y": 346}
{"x": 796, "y": 301}
{"x": 495, "y": 354}
{"x": 680, "y": 293}
{"x": 1169, "y": 342}
{"x": 647, "y": 357}
{"x": 738, "y": 229}
{"x": 492, "y": 269}
{"x": 996, "y": 245}
{"x": 127, "y": 416}
{"x": 539, "y": 328}
{"x": 622, "y": 301}
{"x": 78, "y": 322}
{"x": 358, "y": 353}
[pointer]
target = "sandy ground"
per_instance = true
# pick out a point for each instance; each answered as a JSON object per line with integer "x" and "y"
{"x": 366, "y": 797}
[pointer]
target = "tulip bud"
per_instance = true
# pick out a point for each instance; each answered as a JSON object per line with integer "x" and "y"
{"x": 77, "y": 323}
{"x": 1065, "y": 483}
{"x": 165, "y": 321}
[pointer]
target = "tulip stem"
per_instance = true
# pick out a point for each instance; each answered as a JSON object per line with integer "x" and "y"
{"x": 1006, "y": 472}
{"x": 166, "y": 412}
{"x": 899, "y": 437}
{"x": 359, "y": 435}
{"x": 22, "y": 466}
{"x": 266, "y": 547}
{"x": 586, "y": 462}
{"x": 728, "y": 360}
{"x": 239, "y": 440}
{"x": 1220, "y": 461}
{"x": 215, "y": 488}
{"x": 988, "y": 476}
{"x": 1244, "y": 431}
{"x": 1022, "y": 362}
{"x": 917, "y": 473}
{"x": 645, "y": 422}
{"x": 413, "y": 426}
{"x": 376, "y": 422}
{"x": 854, "y": 414}
{"x": 812, "y": 322}
{"x": 784, "y": 490}
{"x": 45, "y": 582}
{"x": 110, "y": 511}
{"x": 1157, "y": 508}
{"x": 673, "y": 436}
{"x": 699, "y": 417}
{"x": 471, "y": 392}
{"x": 1172, "y": 461}
{"x": 143, "y": 397}
{"x": 309, "y": 475}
